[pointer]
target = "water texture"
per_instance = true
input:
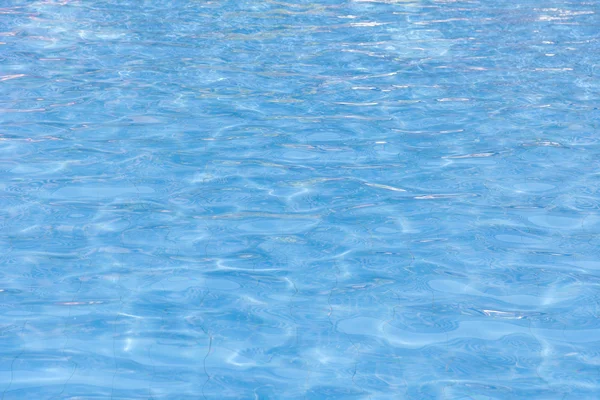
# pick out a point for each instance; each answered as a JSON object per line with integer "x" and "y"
{"x": 368, "y": 199}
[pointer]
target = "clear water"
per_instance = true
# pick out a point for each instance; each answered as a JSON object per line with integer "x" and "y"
{"x": 369, "y": 199}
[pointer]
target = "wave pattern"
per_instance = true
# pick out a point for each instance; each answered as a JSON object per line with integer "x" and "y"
{"x": 364, "y": 199}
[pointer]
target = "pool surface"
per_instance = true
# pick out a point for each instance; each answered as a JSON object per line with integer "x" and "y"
{"x": 368, "y": 199}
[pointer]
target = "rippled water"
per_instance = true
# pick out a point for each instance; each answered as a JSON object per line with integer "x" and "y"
{"x": 369, "y": 199}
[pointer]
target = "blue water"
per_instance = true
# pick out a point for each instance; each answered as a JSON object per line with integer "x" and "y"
{"x": 369, "y": 199}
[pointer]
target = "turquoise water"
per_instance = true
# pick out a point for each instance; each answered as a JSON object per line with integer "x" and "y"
{"x": 370, "y": 199}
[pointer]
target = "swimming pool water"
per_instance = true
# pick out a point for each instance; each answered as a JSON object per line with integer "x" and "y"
{"x": 368, "y": 199}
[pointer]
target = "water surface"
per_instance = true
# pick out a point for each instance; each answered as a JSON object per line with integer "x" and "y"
{"x": 370, "y": 199}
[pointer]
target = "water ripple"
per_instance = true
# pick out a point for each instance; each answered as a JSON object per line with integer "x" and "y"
{"x": 374, "y": 199}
